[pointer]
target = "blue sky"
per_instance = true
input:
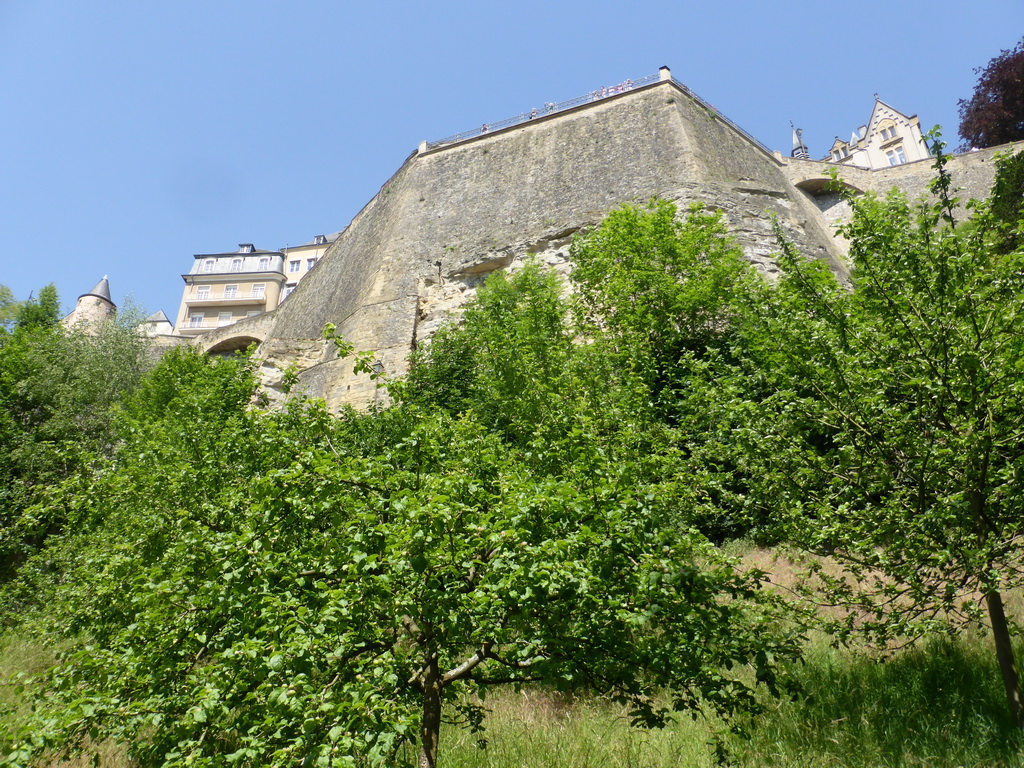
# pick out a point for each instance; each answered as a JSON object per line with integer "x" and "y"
{"x": 133, "y": 135}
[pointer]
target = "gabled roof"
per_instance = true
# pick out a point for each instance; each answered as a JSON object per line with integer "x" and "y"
{"x": 874, "y": 120}
{"x": 157, "y": 317}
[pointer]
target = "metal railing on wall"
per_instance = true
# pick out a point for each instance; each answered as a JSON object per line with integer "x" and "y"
{"x": 552, "y": 108}
{"x": 549, "y": 109}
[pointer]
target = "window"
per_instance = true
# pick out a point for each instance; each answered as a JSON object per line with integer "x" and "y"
{"x": 230, "y": 291}
{"x": 896, "y": 156}
{"x": 320, "y": 240}
{"x": 253, "y": 313}
{"x": 195, "y": 321}
{"x": 288, "y": 290}
{"x": 202, "y": 292}
{"x": 889, "y": 132}
{"x": 310, "y": 263}
{"x": 236, "y": 265}
{"x": 224, "y": 318}
{"x": 259, "y": 290}
{"x": 264, "y": 263}
{"x": 208, "y": 266}
{"x": 293, "y": 266}
{"x": 245, "y": 248}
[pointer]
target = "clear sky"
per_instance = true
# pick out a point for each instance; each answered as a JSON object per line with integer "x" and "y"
{"x": 136, "y": 134}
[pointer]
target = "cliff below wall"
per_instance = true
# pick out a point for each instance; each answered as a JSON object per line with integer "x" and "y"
{"x": 451, "y": 215}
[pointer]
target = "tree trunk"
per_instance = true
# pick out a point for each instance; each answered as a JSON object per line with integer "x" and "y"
{"x": 1004, "y": 652}
{"x": 430, "y": 727}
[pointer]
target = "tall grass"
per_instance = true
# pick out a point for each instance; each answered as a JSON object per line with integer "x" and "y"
{"x": 939, "y": 704}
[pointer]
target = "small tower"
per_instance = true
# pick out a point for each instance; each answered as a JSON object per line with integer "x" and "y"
{"x": 93, "y": 307}
{"x": 799, "y": 148}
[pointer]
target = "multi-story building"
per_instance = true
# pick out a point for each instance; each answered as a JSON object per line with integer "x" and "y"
{"x": 223, "y": 288}
{"x": 888, "y": 138}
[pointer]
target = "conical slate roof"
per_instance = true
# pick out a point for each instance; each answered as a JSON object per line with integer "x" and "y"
{"x": 101, "y": 289}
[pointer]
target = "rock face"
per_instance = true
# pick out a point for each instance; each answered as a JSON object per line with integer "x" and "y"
{"x": 451, "y": 215}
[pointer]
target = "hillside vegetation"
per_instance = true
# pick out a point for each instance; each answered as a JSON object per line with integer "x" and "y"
{"x": 552, "y": 541}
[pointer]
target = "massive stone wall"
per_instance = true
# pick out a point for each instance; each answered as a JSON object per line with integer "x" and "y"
{"x": 451, "y": 215}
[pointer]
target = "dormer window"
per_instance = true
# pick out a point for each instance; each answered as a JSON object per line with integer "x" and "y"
{"x": 320, "y": 240}
{"x": 208, "y": 265}
{"x": 236, "y": 265}
{"x": 264, "y": 263}
{"x": 245, "y": 248}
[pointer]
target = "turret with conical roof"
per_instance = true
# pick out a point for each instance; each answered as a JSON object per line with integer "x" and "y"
{"x": 93, "y": 308}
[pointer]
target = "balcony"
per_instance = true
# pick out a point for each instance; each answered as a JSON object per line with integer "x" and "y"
{"x": 233, "y": 299}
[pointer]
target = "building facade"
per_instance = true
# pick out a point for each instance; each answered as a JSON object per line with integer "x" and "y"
{"x": 888, "y": 138}
{"x": 299, "y": 259}
{"x": 223, "y": 288}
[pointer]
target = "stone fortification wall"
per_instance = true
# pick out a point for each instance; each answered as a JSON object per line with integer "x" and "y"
{"x": 973, "y": 174}
{"x": 451, "y": 215}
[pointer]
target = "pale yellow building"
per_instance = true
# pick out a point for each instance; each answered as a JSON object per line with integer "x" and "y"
{"x": 888, "y": 138}
{"x": 223, "y": 288}
{"x": 299, "y": 259}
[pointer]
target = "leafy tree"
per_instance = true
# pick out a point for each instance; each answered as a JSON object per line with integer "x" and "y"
{"x": 892, "y": 439}
{"x": 995, "y": 113}
{"x": 58, "y": 392}
{"x": 1008, "y": 200}
{"x": 506, "y": 358}
{"x": 44, "y": 311}
{"x": 659, "y": 288}
{"x": 661, "y": 296}
{"x": 299, "y": 589}
{"x": 8, "y": 307}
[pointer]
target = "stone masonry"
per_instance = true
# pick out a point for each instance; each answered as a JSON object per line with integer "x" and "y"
{"x": 451, "y": 215}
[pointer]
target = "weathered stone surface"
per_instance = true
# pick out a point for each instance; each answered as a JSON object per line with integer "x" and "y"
{"x": 450, "y": 216}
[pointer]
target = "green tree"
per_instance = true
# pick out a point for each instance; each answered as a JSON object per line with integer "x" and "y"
{"x": 298, "y": 589}
{"x": 659, "y": 289}
{"x": 44, "y": 311}
{"x": 8, "y": 307}
{"x": 58, "y": 396}
{"x": 506, "y": 358}
{"x": 892, "y": 439}
{"x": 1008, "y": 200}
{"x": 660, "y": 297}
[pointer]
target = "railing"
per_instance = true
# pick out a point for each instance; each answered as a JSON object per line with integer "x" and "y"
{"x": 553, "y": 108}
{"x": 719, "y": 116}
{"x": 239, "y": 296}
{"x": 549, "y": 109}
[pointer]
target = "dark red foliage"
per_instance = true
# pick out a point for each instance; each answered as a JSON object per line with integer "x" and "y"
{"x": 995, "y": 113}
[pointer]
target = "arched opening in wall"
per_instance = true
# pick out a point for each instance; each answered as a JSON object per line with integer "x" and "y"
{"x": 232, "y": 345}
{"x": 824, "y": 185}
{"x": 827, "y": 196}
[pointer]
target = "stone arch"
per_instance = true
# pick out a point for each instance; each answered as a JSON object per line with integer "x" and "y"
{"x": 817, "y": 185}
{"x": 231, "y": 344}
